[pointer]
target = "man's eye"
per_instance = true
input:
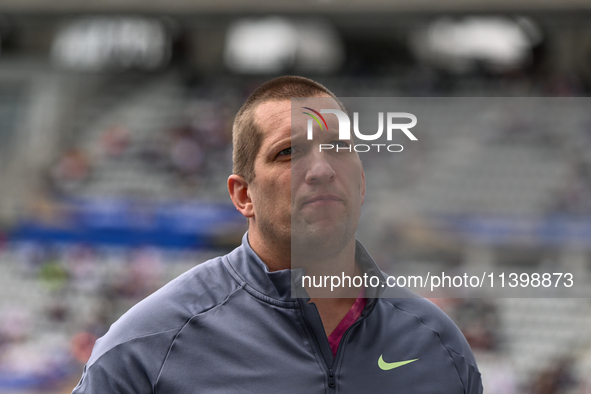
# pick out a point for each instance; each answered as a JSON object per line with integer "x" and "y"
{"x": 285, "y": 152}
{"x": 340, "y": 144}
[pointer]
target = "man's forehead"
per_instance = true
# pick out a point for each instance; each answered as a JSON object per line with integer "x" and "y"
{"x": 273, "y": 113}
{"x": 270, "y": 113}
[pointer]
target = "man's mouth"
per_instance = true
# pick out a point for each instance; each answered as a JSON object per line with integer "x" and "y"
{"x": 322, "y": 199}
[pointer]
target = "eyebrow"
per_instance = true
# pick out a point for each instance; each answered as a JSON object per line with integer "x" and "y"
{"x": 273, "y": 146}
{"x": 298, "y": 139}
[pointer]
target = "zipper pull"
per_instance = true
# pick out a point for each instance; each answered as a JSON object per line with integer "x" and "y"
{"x": 332, "y": 382}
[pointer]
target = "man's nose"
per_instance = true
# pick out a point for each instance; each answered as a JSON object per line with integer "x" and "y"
{"x": 319, "y": 169}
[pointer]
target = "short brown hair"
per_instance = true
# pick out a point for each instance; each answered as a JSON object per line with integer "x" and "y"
{"x": 246, "y": 135}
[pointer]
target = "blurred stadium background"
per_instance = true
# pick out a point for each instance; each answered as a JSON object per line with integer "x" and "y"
{"x": 115, "y": 121}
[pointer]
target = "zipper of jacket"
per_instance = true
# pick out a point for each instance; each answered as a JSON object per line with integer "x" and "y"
{"x": 331, "y": 371}
{"x": 315, "y": 342}
{"x": 332, "y": 381}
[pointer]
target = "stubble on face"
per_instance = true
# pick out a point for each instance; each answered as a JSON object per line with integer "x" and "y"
{"x": 319, "y": 241}
{"x": 270, "y": 187}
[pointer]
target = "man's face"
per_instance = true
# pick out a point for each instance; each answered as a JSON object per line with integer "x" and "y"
{"x": 304, "y": 198}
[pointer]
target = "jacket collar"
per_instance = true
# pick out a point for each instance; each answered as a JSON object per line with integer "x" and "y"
{"x": 252, "y": 272}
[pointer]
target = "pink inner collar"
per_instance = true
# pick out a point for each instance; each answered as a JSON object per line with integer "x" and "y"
{"x": 351, "y": 317}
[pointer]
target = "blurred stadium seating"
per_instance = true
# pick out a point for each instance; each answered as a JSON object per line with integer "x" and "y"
{"x": 113, "y": 182}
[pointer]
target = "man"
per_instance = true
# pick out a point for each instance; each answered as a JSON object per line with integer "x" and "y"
{"x": 231, "y": 325}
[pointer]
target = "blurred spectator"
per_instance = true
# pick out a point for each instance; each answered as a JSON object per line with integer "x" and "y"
{"x": 556, "y": 379}
{"x": 15, "y": 325}
{"x": 143, "y": 274}
{"x": 83, "y": 266}
{"x": 574, "y": 197}
{"x": 58, "y": 311}
{"x": 209, "y": 126}
{"x": 31, "y": 256}
{"x": 186, "y": 154}
{"x": 153, "y": 153}
{"x": 81, "y": 346}
{"x": 71, "y": 170}
{"x": 53, "y": 275}
{"x": 115, "y": 141}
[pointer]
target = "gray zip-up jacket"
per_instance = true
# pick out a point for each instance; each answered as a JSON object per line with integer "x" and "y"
{"x": 230, "y": 326}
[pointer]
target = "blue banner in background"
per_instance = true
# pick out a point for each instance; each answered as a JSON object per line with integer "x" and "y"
{"x": 136, "y": 223}
{"x": 210, "y": 224}
{"x": 514, "y": 230}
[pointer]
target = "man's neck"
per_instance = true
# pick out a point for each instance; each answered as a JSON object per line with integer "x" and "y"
{"x": 326, "y": 271}
{"x": 275, "y": 254}
{"x": 332, "y": 304}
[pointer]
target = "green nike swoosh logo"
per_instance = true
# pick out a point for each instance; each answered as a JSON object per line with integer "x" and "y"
{"x": 388, "y": 366}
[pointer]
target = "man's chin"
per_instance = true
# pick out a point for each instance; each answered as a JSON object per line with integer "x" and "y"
{"x": 319, "y": 231}
{"x": 319, "y": 240}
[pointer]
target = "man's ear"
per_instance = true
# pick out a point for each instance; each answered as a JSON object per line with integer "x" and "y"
{"x": 238, "y": 188}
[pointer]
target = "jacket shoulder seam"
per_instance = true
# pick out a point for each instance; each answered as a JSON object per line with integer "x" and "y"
{"x": 178, "y": 329}
{"x": 126, "y": 342}
{"x": 182, "y": 328}
{"x": 254, "y": 292}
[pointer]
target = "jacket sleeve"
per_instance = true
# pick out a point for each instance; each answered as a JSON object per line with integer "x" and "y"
{"x": 451, "y": 339}
{"x": 469, "y": 374}
{"x": 457, "y": 347}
